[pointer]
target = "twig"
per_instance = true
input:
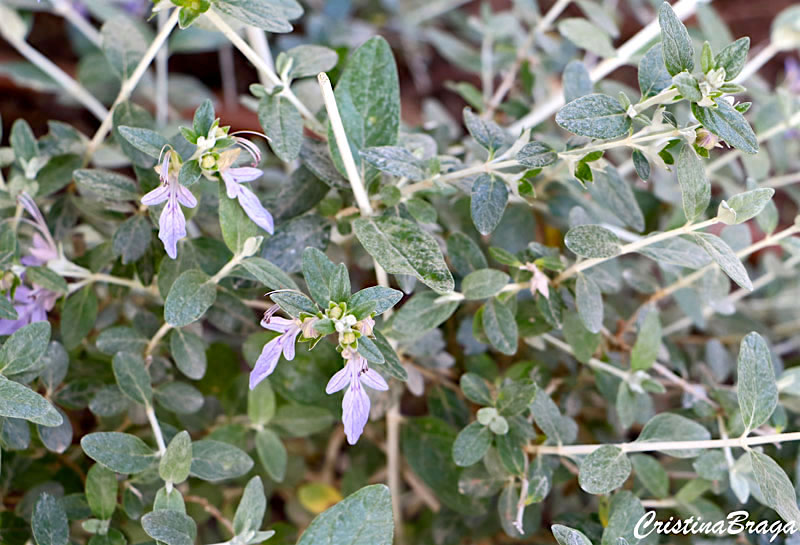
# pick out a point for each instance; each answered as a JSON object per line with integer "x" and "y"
{"x": 682, "y": 8}
{"x": 151, "y": 417}
{"x": 645, "y": 446}
{"x": 511, "y": 76}
{"x": 261, "y": 65}
{"x": 211, "y": 510}
{"x": 75, "y": 89}
{"x": 129, "y": 84}
{"x": 633, "y": 247}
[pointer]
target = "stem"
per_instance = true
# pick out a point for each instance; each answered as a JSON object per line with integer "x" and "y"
{"x": 635, "y": 446}
{"x": 162, "y": 331}
{"x": 633, "y": 247}
{"x": 766, "y": 135}
{"x": 65, "y": 9}
{"x": 734, "y": 297}
{"x": 697, "y": 274}
{"x": 754, "y": 64}
{"x": 130, "y": 84}
{"x": 261, "y": 66}
{"x": 781, "y": 181}
{"x": 683, "y": 9}
{"x": 211, "y": 510}
{"x": 258, "y": 41}
{"x": 487, "y": 167}
{"x": 151, "y": 416}
{"x": 162, "y": 77}
{"x": 393, "y": 466}
{"x": 127, "y": 282}
{"x": 75, "y": 89}
{"x": 360, "y": 193}
{"x": 593, "y": 362}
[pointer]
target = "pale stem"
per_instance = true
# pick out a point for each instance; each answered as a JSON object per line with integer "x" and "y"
{"x": 227, "y": 70}
{"x": 343, "y": 145}
{"x": 523, "y": 498}
{"x": 127, "y": 282}
{"x": 633, "y": 247}
{"x": 744, "y": 252}
{"x": 75, "y": 89}
{"x": 258, "y": 41}
{"x": 66, "y": 10}
{"x": 682, "y": 8}
{"x": 393, "y": 463}
{"x": 162, "y": 77}
{"x": 593, "y": 362}
{"x": 645, "y": 446}
{"x": 763, "y": 280}
{"x": 667, "y": 503}
{"x": 261, "y": 65}
{"x": 723, "y": 432}
{"x": 755, "y": 64}
{"x": 488, "y": 167}
{"x": 781, "y": 181}
{"x": 692, "y": 389}
{"x": 151, "y": 416}
{"x": 130, "y": 84}
{"x": 691, "y": 278}
{"x": 429, "y": 10}
{"x": 487, "y": 70}
{"x": 162, "y": 331}
{"x": 761, "y": 137}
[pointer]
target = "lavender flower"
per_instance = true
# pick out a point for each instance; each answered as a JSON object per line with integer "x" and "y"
{"x": 33, "y": 304}
{"x": 355, "y": 405}
{"x": 234, "y": 177}
{"x": 44, "y": 247}
{"x": 172, "y": 223}
{"x": 282, "y": 344}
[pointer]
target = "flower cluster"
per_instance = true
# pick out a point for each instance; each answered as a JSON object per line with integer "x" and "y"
{"x": 216, "y": 156}
{"x": 356, "y": 371}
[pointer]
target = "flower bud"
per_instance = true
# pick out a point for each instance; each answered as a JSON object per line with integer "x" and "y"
{"x": 499, "y": 426}
{"x": 707, "y": 139}
{"x": 349, "y": 338}
{"x": 208, "y": 161}
{"x": 486, "y": 415}
{"x": 335, "y": 313}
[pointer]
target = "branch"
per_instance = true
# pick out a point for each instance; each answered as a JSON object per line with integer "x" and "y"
{"x": 130, "y": 84}
{"x": 644, "y": 446}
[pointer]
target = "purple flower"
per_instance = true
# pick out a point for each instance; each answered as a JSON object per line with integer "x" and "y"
{"x": 282, "y": 344}
{"x": 355, "y": 405}
{"x": 44, "y": 247}
{"x": 540, "y": 282}
{"x": 32, "y": 305}
{"x": 234, "y": 177}
{"x": 172, "y": 223}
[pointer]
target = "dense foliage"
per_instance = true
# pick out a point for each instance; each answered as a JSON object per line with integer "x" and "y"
{"x": 577, "y": 310}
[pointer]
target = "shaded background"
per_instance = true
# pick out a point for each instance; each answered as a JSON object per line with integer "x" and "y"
{"x": 744, "y": 17}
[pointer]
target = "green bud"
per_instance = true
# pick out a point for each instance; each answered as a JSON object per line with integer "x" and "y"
{"x": 499, "y": 426}
{"x": 486, "y": 415}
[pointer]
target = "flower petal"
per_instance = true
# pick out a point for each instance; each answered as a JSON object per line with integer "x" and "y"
{"x": 172, "y": 227}
{"x": 355, "y": 413}
{"x": 156, "y": 196}
{"x": 372, "y": 379}
{"x": 255, "y": 210}
{"x": 339, "y": 380}
{"x": 266, "y": 362}
{"x": 288, "y": 345}
{"x": 245, "y": 174}
{"x": 276, "y": 323}
{"x": 231, "y": 187}
{"x": 185, "y": 196}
